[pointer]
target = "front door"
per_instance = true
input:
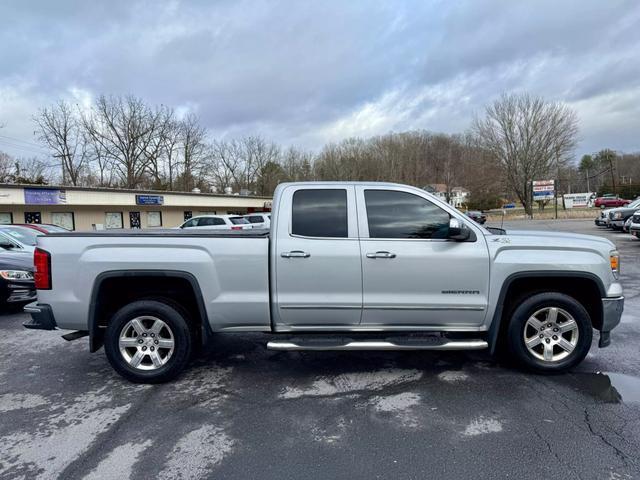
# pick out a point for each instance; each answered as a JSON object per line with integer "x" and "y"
{"x": 134, "y": 219}
{"x": 318, "y": 274}
{"x": 412, "y": 274}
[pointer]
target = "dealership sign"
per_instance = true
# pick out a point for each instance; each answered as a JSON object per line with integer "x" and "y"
{"x": 149, "y": 200}
{"x": 44, "y": 196}
{"x": 543, "y": 190}
{"x": 578, "y": 200}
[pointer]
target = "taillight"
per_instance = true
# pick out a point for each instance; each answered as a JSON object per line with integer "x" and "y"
{"x": 42, "y": 273}
{"x": 236, "y": 228}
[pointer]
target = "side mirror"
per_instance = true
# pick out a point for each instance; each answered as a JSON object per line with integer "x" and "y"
{"x": 458, "y": 231}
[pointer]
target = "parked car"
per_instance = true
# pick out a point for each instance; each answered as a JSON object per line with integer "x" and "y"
{"x": 610, "y": 201}
{"x": 634, "y": 227}
{"x": 477, "y": 216}
{"x": 259, "y": 220}
{"x": 217, "y": 222}
{"x": 602, "y": 220}
{"x": 617, "y": 216}
{"x": 18, "y": 239}
{"x": 345, "y": 266}
{"x": 627, "y": 224}
{"x": 16, "y": 279}
{"x": 43, "y": 227}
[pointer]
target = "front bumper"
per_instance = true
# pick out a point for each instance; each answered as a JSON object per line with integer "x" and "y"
{"x": 617, "y": 223}
{"x": 611, "y": 313}
{"x": 601, "y": 222}
{"x": 21, "y": 292}
{"x": 41, "y": 317}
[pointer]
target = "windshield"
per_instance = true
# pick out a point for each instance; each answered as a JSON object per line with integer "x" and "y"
{"x": 635, "y": 203}
{"x": 24, "y": 235}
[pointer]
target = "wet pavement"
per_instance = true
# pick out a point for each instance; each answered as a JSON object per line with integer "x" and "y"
{"x": 241, "y": 411}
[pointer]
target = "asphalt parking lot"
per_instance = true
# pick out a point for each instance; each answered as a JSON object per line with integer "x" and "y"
{"x": 244, "y": 412}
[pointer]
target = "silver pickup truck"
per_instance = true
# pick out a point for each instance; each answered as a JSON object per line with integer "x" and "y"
{"x": 345, "y": 266}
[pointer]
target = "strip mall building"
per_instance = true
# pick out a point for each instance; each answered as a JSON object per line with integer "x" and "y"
{"x": 82, "y": 208}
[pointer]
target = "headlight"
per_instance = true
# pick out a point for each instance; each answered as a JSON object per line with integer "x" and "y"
{"x": 617, "y": 215}
{"x": 614, "y": 261}
{"x": 16, "y": 275}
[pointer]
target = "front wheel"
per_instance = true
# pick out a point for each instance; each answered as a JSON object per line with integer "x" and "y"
{"x": 148, "y": 342}
{"x": 549, "y": 332}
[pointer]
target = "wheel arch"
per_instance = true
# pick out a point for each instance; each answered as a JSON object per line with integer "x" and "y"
{"x": 522, "y": 283}
{"x": 161, "y": 282}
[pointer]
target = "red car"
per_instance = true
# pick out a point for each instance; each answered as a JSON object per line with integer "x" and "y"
{"x": 611, "y": 201}
{"x": 43, "y": 227}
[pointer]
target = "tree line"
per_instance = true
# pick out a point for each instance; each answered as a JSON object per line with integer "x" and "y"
{"x": 120, "y": 141}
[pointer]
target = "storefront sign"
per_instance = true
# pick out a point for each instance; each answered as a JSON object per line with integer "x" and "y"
{"x": 44, "y": 196}
{"x": 543, "y": 190}
{"x": 149, "y": 200}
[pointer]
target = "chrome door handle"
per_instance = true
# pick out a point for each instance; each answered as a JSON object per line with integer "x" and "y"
{"x": 381, "y": 255}
{"x": 295, "y": 254}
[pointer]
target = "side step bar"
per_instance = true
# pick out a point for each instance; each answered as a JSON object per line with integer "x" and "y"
{"x": 428, "y": 343}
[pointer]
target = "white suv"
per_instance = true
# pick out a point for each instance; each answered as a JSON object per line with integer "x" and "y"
{"x": 217, "y": 222}
{"x": 259, "y": 220}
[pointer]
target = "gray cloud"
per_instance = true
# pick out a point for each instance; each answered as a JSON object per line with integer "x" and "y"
{"x": 310, "y": 72}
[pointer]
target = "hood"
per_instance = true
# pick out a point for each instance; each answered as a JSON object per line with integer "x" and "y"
{"x": 16, "y": 261}
{"x": 560, "y": 239}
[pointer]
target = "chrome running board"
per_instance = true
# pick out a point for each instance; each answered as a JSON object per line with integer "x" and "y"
{"x": 409, "y": 343}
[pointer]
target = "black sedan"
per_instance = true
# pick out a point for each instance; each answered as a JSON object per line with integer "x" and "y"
{"x": 16, "y": 279}
{"x": 477, "y": 216}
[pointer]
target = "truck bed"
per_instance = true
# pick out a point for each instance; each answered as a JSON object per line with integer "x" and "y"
{"x": 166, "y": 232}
{"x": 230, "y": 269}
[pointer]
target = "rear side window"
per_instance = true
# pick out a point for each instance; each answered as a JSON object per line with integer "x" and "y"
{"x": 238, "y": 220}
{"x": 394, "y": 214}
{"x": 320, "y": 213}
{"x": 210, "y": 221}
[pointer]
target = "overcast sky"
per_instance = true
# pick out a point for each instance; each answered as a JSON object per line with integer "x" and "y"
{"x": 308, "y": 72}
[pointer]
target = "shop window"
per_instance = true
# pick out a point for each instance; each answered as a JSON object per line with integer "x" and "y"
{"x": 134, "y": 220}
{"x": 154, "y": 219}
{"x": 6, "y": 218}
{"x": 187, "y": 215}
{"x": 32, "y": 217}
{"x": 113, "y": 220}
{"x": 64, "y": 220}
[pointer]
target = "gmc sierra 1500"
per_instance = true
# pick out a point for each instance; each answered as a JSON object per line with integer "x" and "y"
{"x": 345, "y": 266}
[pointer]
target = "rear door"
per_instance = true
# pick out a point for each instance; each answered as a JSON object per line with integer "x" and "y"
{"x": 318, "y": 274}
{"x": 413, "y": 276}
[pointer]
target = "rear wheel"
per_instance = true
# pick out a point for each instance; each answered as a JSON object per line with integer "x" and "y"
{"x": 148, "y": 341}
{"x": 549, "y": 332}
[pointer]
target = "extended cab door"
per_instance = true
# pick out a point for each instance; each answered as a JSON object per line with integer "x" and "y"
{"x": 413, "y": 275}
{"x": 316, "y": 256}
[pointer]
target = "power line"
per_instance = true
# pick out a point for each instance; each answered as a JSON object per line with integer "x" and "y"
{"x": 32, "y": 150}
{"x": 20, "y": 141}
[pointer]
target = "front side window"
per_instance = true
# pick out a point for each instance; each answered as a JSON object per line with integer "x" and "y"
{"x": 395, "y": 214}
{"x": 320, "y": 213}
{"x": 254, "y": 219}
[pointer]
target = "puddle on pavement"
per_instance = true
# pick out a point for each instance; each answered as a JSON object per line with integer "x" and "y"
{"x": 610, "y": 387}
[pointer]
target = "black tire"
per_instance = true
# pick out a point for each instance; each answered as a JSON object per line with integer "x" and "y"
{"x": 174, "y": 318}
{"x": 534, "y": 303}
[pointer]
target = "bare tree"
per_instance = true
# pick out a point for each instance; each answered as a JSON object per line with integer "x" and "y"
{"x": 59, "y": 129}
{"x": 6, "y": 167}
{"x": 194, "y": 149}
{"x": 529, "y": 136}
{"x": 127, "y": 131}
